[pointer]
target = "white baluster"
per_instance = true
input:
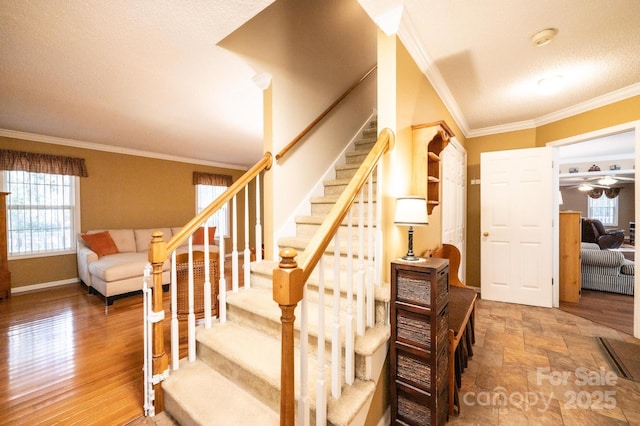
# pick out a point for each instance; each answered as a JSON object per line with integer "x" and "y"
{"x": 349, "y": 370}
{"x": 336, "y": 347}
{"x": 258, "y": 224}
{"x": 379, "y": 241}
{"x": 247, "y": 250}
{"x": 175, "y": 331}
{"x": 304, "y": 408}
{"x": 360, "y": 320}
{"x": 191, "y": 318}
{"x": 234, "y": 252}
{"x": 321, "y": 398}
{"x": 369, "y": 280}
{"x": 147, "y": 363}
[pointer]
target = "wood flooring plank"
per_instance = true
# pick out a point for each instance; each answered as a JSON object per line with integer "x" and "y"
{"x": 610, "y": 309}
{"x": 65, "y": 361}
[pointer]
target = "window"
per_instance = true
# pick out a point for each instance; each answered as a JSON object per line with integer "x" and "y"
{"x": 205, "y": 194}
{"x": 42, "y": 213}
{"x": 208, "y": 188}
{"x": 604, "y": 209}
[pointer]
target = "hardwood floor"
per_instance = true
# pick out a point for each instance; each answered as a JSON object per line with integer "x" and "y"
{"x": 612, "y": 310}
{"x": 63, "y": 361}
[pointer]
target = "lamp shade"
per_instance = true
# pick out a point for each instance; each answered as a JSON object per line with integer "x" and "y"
{"x": 411, "y": 211}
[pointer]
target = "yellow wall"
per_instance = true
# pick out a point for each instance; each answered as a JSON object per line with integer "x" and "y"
{"x": 416, "y": 102}
{"x": 607, "y": 116}
{"x": 122, "y": 191}
{"x": 302, "y": 46}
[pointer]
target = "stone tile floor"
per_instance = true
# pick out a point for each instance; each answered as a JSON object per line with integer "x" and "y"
{"x": 540, "y": 366}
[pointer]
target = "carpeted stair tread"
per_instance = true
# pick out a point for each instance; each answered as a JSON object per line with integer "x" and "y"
{"x": 317, "y": 220}
{"x": 259, "y": 301}
{"x": 300, "y": 243}
{"x": 208, "y": 398}
{"x": 332, "y": 199}
{"x": 241, "y": 344}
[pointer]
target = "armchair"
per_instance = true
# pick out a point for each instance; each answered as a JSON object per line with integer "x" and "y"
{"x": 593, "y": 232}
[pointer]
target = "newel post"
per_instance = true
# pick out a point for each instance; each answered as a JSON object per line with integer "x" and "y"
{"x": 287, "y": 292}
{"x": 157, "y": 257}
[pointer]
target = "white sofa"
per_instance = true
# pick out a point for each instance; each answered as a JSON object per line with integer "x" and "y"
{"x": 121, "y": 274}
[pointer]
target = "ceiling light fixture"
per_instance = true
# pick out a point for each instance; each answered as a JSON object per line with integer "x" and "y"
{"x": 585, "y": 187}
{"x": 543, "y": 37}
{"x": 607, "y": 180}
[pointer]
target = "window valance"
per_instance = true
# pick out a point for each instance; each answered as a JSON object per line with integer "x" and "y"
{"x": 42, "y": 163}
{"x": 200, "y": 178}
{"x": 608, "y": 192}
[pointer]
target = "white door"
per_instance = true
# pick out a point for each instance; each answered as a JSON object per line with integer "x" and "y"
{"x": 454, "y": 199}
{"x": 516, "y": 225}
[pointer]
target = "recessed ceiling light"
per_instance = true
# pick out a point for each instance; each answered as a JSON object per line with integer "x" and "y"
{"x": 550, "y": 85}
{"x": 543, "y": 37}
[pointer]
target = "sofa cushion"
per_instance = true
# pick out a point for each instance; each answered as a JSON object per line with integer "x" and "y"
{"x": 101, "y": 243}
{"x": 121, "y": 266}
{"x": 124, "y": 239}
{"x": 143, "y": 237}
{"x": 198, "y": 236}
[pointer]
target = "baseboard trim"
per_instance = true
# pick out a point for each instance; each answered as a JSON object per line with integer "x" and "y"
{"x": 42, "y": 286}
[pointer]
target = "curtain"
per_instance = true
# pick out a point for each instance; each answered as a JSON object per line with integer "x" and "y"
{"x": 200, "y": 178}
{"x": 42, "y": 163}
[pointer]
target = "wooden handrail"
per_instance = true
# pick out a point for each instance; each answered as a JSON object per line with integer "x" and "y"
{"x": 158, "y": 254}
{"x": 321, "y": 239}
{"x": 323, "y": 114}
{"x": 181, "y": 236}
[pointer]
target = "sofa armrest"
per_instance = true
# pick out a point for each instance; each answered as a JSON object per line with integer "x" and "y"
{"x": 612, "y": 239}
{"x": 605, "y": 258}
{"x": 84, "y": 257}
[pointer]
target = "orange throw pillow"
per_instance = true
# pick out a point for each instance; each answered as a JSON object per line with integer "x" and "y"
{"x": 101, "y": 243}
{"x": 198, "y": 236}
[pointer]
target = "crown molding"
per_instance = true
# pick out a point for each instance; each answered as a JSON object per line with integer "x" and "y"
{"x": 409, "y": 37}
{"x": 598, "y": 102}
{"x": 502, "y": 128}
{"x": 113, "y": 149}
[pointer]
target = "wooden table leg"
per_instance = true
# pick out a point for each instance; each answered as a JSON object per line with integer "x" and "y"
{"x": 452, "y": 379}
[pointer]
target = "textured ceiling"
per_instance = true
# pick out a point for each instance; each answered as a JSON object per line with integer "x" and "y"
{"x": 144, "y": 75}
{"x": 148, "y": 76}
{"x": 483, "y": 54}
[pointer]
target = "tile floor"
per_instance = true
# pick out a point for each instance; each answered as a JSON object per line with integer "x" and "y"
{"x": 538, "y": 366}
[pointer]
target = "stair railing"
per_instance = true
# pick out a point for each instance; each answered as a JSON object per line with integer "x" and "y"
{"x": 289, "y": 286}
{"x": 156, "y": 363}
{"x": 323, "y": 114}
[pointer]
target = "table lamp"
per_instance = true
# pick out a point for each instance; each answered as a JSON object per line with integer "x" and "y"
{"x": 411, "y": 211}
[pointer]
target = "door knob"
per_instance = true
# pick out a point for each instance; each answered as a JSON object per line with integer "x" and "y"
{"x": 486, "y": 234}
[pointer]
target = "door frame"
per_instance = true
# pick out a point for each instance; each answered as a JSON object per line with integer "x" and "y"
{"x": 624, "y": 127}
{"x": 455, "y": 144}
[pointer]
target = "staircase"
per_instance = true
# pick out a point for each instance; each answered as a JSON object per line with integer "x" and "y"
{"x": 236, "y": 377}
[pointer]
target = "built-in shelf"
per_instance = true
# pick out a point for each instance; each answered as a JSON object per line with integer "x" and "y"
{"x": 428, "y": 142}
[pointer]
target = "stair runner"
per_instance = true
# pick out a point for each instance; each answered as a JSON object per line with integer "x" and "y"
{"x": 236, "y": 377}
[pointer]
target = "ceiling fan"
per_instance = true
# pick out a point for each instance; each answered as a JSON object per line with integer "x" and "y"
{"x": 609, "y": 180}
